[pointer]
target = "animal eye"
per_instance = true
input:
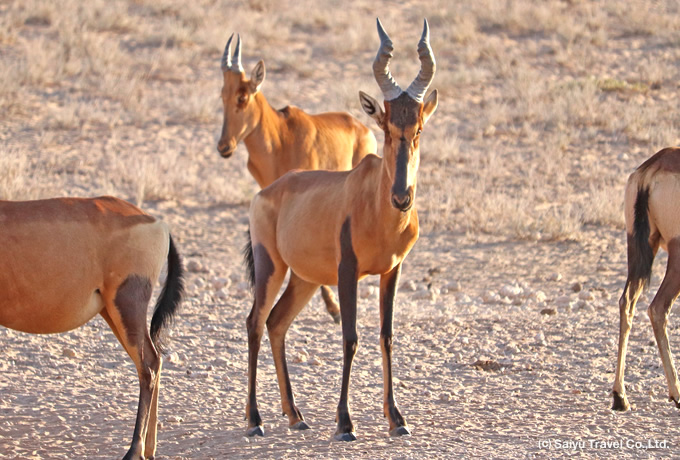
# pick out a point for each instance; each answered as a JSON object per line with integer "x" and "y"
{"x": 242, "y": 99}
{"x": 420, "y": 130}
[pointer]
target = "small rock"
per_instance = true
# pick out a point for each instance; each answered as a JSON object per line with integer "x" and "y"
{"x": 222, "y": 294}
{"x": 539, "y": 296}
{"x": 576, "y": 287}
{"x": 463, "y": 298}
{"x": 540, "y": 338}
{"x": 563, "y": 301}
{"x": 548, "y": 311}
{"x": 409, "y": 286}
{"x": 300, "y": 358}
{"x": 367, "y": 292}
{"x": 510, "y": 291}
{"x": 586, "y": 295}
{"x": 220, "y": 362}
{"x": 454, "y": 286}
{"x": 194, "y": 266}
{"x": 555, "y": 276}
{"x": 316, "y": 361}
{"x": 445, "y": 396}
{"x": 69, "y": 352}
{"x": 173, "y": 419}
{"x": 487, "y": 365}
{"x": 220, "y": 282}
{"x": 490, "y": 297}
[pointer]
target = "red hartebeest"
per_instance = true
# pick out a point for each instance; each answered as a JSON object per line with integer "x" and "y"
{"x": 652, "y": 220}
{"x": 332, "y": 228}
{"x": 281, "y": 140}
{"x": 64, "y": 260}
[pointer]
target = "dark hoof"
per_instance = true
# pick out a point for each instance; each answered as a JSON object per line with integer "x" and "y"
{"x": 620, "y": 402}
{"x": 347, "y": 437}
{"x": 672, "y": 399}
{"x": 255, "y": 431}
{"x": 336, "y": 317}
{"x": 301, "y": 425}
{"x": 400, "y": 431}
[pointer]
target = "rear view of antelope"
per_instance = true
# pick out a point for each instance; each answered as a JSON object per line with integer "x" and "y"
{"x": 332, "y": 228}
{"x": 652, "y": 220}
{"x": 64, "y": 260}
{"x": 281, "y": 140}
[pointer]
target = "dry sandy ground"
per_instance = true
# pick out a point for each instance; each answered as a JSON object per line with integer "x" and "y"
{"x": 504, "y": 347}
{"x": 476, "y": 377}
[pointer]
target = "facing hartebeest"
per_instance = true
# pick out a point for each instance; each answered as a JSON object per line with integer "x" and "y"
{"x": 281, "y": 140}
{"x": 652, "y": 220}
{"x": 64, "y": 260}
{"x": 336, "y": 228}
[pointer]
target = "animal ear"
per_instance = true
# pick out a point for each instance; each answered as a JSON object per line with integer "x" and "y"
{"x": 430, "y": 106}
{"x": 372, "y": 108}
{"x": 257, "y": 77}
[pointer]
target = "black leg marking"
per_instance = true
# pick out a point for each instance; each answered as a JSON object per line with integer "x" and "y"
{"x": 347, "y": 289}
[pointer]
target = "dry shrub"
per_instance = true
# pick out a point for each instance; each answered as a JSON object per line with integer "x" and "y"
{"x": 14, "y": 169}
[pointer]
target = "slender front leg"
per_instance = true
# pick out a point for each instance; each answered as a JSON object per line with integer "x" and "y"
{"x": 388, "y": 290}
{"x": 347, "y": 290}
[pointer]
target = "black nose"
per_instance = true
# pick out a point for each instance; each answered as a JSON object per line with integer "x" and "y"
{"x": 225, "y": 150}
{"x": 401, "y": 201}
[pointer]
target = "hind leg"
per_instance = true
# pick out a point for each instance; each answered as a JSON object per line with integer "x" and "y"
{"x": 659, "y": 311}
{"x": 627, "y": 302}
{"x": 152, "y": 426}
{"x": 126, "y": 314}
{"x": 269, "y": 273}
{"x": 332, "y": 306}
{"x": 295, "y": 297}
{"x": 637, "y": 269}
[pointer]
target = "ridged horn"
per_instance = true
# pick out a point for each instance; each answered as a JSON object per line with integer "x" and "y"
{"x": 418, "y": 88}
{"x": 236, "y": 66}
{"x": 226, "y": 57}
{"x": 381, "y": 69}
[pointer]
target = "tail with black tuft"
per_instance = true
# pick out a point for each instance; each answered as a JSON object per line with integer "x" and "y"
{"x": 640, "y": 253}
{"x": 249, "y": 261}
{"x": 169, "y": 299}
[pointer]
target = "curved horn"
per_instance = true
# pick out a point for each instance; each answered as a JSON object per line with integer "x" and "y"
{"x": 381, "y": 69}
{"x": 226, "y": 57}
{"x": 236, "y": 66}
{"x": 418, "y": 88}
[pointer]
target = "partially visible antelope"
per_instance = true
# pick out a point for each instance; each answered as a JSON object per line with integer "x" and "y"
{"x": 333, "y": 228}
{"x": 281, "y": 140}
{"x": 64, "y": 260}
{"x": 652, "y": 220}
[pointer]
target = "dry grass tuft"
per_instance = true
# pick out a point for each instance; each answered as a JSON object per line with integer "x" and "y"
{"x": 544, "y": 107}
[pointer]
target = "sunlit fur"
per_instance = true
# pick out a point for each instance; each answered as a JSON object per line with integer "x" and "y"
{"x": 303, "y": 220}
{"x": 63, "y": 261}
